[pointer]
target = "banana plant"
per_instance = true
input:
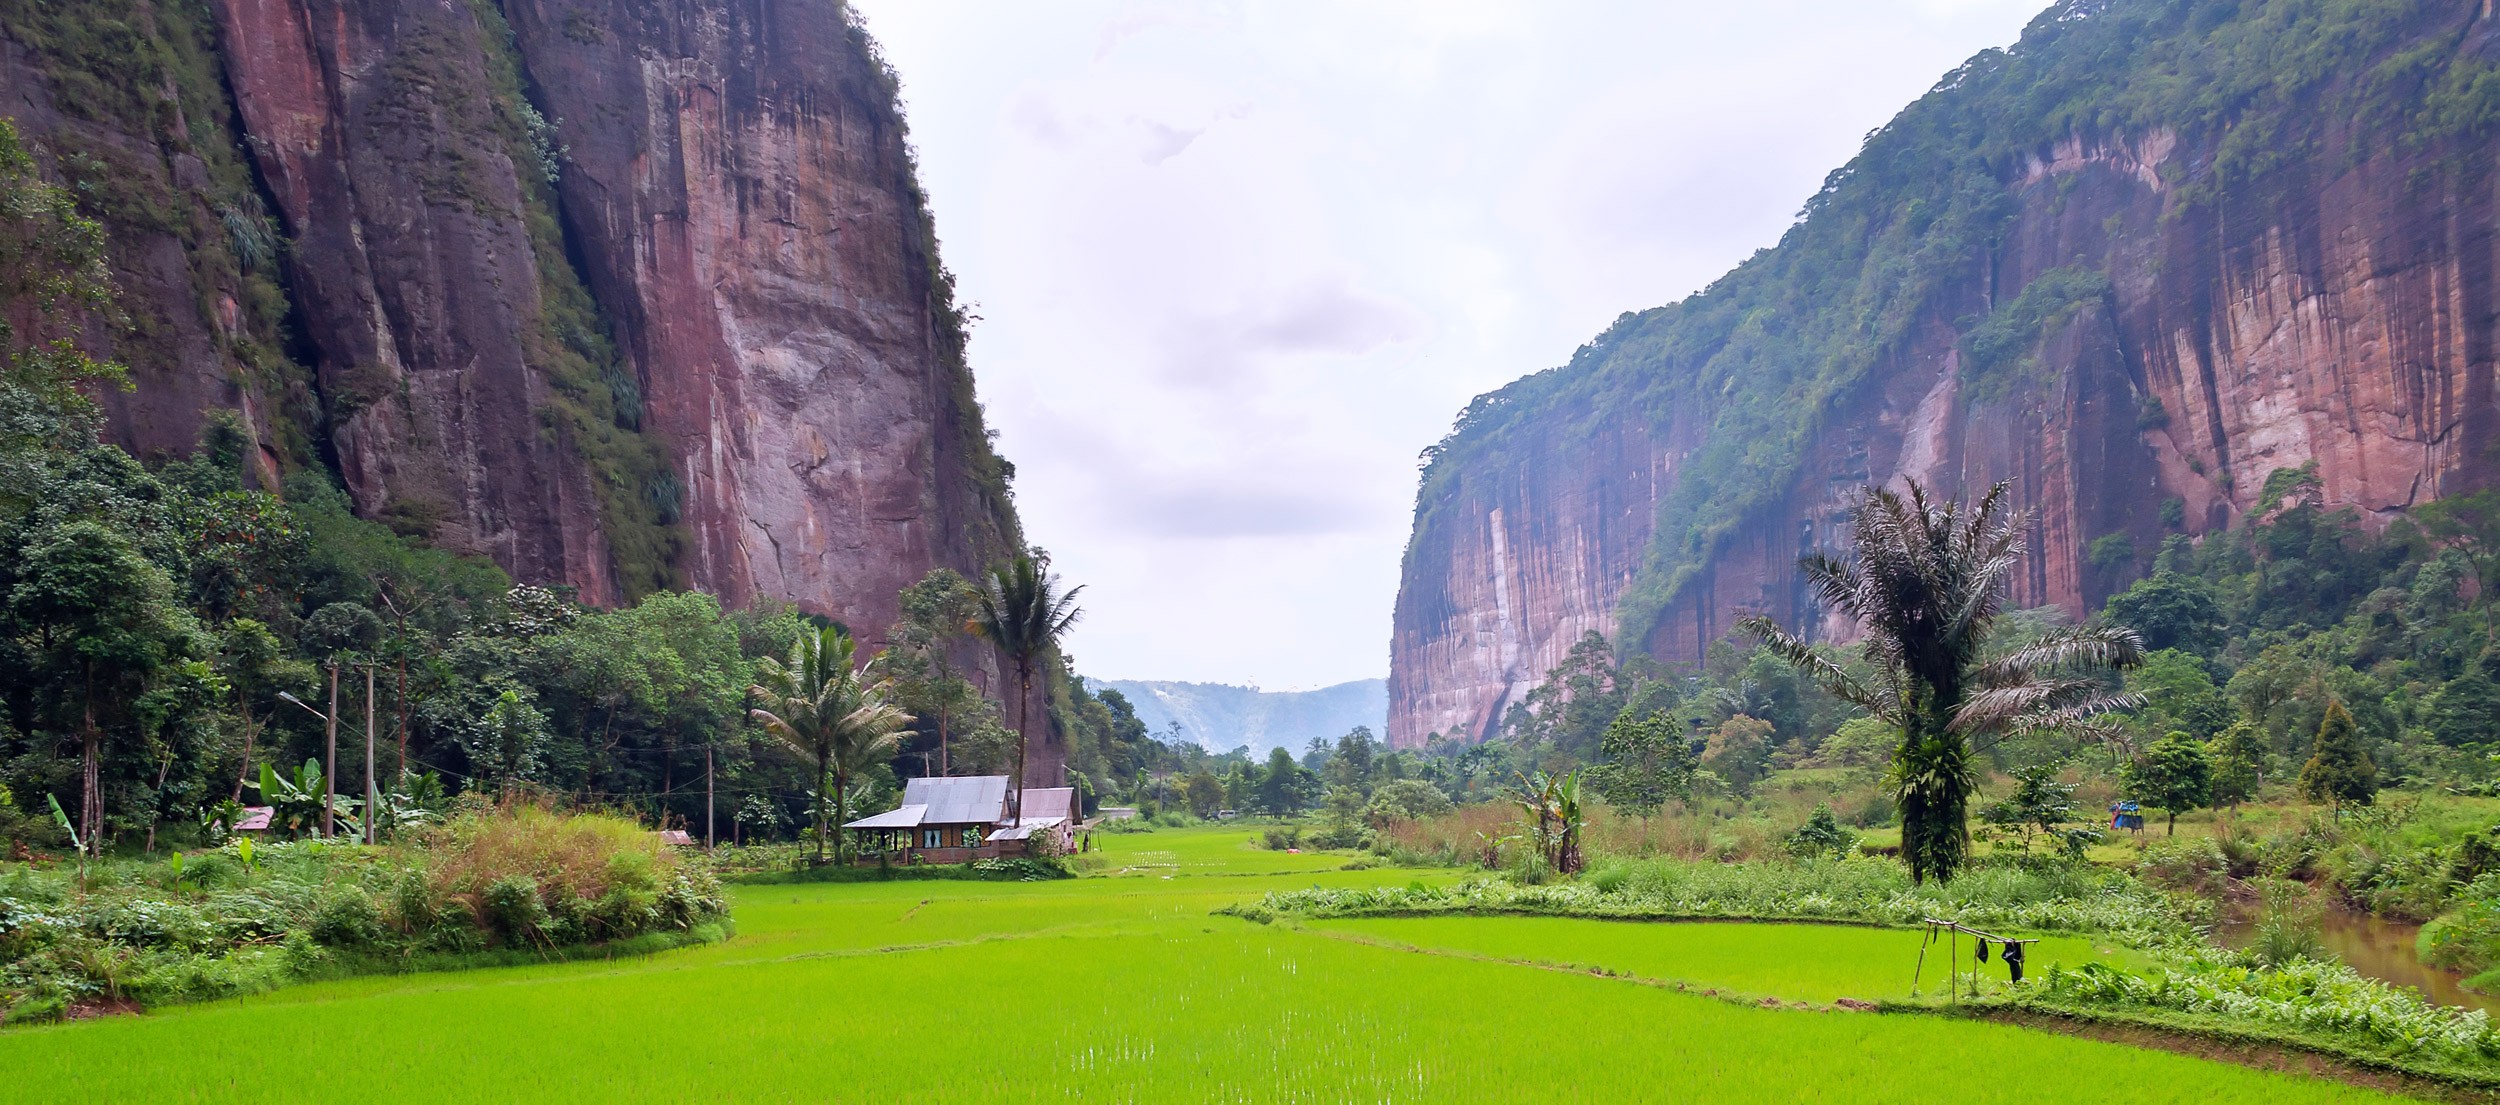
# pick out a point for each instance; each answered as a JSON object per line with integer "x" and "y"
{"x": 75, "y": 842}
{"x": 295, "y": 804}
{"x": 417, "y": 800}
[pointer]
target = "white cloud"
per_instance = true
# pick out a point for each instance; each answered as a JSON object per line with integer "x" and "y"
{"x": 1239, "y": 262}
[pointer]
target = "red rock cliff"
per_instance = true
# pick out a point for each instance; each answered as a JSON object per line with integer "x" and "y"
{"x": 745, "y": 202}
{"x": 2339, "y": 309}
{"x": 717, "y": 351}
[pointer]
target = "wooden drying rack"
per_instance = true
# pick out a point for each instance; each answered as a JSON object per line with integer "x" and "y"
{"x": 1953, "y": 931}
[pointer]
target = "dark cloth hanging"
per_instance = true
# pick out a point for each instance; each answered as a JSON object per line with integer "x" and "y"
{"x": 1982, "y": 953}
{"x": 2013, "y": 959}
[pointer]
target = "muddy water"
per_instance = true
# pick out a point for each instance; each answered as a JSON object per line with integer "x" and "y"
{"x": 2381, "y": 949}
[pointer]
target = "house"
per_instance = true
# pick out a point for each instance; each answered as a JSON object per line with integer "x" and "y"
{"x": 963, "y": 818}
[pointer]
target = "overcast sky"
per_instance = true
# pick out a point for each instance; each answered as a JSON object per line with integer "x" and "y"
{"x": 1238, "y": 263}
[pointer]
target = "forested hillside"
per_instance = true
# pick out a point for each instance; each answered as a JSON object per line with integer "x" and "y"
{"x": 2134, "y": 264}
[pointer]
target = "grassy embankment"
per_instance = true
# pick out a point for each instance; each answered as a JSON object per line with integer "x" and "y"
{"x": 1125, "y": 987}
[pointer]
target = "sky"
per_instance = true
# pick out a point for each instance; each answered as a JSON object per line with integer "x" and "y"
{"x": 1236, "y": 264}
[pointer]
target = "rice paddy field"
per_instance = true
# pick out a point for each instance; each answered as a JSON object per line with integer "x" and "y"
{"x": 1122, "y": 987}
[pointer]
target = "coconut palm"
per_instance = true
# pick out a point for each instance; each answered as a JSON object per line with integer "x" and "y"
{"x": 819, "y": 705}
{"x": 1925, "y": 584}
{"x": 1024, "y": 613}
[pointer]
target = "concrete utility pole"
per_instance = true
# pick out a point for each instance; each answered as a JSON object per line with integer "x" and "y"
{"x": 330, "y": 763}
{"x": 372, "y": 832}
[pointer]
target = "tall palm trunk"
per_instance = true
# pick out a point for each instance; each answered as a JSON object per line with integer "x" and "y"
{"x": 824, "y": 770}
{"x": 841, "y": 806}
{"x": 1024, "y": 731}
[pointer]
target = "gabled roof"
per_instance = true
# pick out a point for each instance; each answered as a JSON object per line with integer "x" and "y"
{"x": 1040, "y": 802}
{"x": 908, "y": 817}
{"x": 960, "y": 799}
{"x": 1025, "y": 829}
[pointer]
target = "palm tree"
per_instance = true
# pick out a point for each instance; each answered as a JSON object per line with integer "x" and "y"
{"x": 1023, "y": 612}
{"x": 1925, "y": 584}
{"x": 818, "y": 704}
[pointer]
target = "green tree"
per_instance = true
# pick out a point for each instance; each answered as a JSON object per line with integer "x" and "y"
{"x": 1285, "y": 788}
{"x": 1401, "y": 800}
{"x": 1648, "y": 762}
{"x": 1023, "y": 612}
{"x": 100, "y": 624}
{"x": 2339, "y": 768}
{"x": 2040, "y": 806}
{"x": 1927, "y": 583}
{"x": 1204, "y": 794}
{"x": 2239, "y": 759}
{"x": 2178, "y": 694}
{"x": 2171, "y": 610}
{"x": 1738, "y": 751}
{"x": 1354, "y": 760}
{"x": 2471, "y": 525}
{"x": 818, "y": 704}
{"x": 936, "y": 612}
{"x": 2173, "y": 773}
{"x": 507, "y": 744}
{"x": 2467, "y": 710}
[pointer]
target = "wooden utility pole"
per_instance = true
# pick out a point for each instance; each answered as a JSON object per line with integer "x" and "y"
{"x": 372, "y": 831}
{"x": 330, "y": 762}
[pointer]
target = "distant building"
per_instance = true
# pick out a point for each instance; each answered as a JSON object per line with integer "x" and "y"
{"x": 964, "y": 818}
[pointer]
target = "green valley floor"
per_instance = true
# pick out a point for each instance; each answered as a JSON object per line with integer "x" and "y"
{"x": 1124, "y": 987}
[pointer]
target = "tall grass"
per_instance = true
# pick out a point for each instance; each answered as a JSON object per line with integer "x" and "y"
{"x": 251, "y": 917}
{"x": 2003, "y": 895}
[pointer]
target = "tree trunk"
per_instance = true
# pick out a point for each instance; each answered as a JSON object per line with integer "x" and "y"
{"x": 91, "y": 786}
{"x": 90, "y": 773}
{"x": 2173, "y": 830}
{"x": 841, "y": 807}
{"x": 944, "y": 768}
{"x": 823, "y": 772}
{"x": 1024, "y": 736}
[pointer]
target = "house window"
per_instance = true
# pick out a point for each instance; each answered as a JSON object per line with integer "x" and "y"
{"x": 972, "y": 836}
{"x": 929, "y": 838}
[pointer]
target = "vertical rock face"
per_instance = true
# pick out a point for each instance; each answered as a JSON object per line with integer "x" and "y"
{"x": 743, "y": 197}
{"x": 619, "y": 294}
{"x": 415, "y": 278}
{"x": 2338, "y": 310}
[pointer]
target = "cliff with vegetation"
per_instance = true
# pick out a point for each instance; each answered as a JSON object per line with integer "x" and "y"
{"x": 623, "y": 296}
{"x": 2134, "y": 265}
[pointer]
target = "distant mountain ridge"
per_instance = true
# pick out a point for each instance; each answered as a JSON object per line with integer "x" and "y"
{"x": 1222, "y": 717}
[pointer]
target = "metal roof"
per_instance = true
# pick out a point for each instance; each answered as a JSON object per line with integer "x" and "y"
{"x": 1048, "y": 802}
{"x": 960, "y": 799}
{"x": 908, "y": 817}
{"x": 1027, "y": 827}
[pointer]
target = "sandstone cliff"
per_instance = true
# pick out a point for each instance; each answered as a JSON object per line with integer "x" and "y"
{"x": 621, "y": 295}
{"x": 2132, "y": 290}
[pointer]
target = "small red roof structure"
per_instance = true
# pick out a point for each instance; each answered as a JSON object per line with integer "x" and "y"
{"x": 677, "y": 837}
{"x": 255, "y": 819}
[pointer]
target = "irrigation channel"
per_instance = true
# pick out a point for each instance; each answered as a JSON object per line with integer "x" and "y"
{"x": 2382, "y": 949}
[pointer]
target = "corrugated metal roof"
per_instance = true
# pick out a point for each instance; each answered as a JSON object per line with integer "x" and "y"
{"x": 1027, "y": 827}
{"x": 908, "y": 817}
{"x": 959, "y": 800}
{"x": 1049, "y": 802}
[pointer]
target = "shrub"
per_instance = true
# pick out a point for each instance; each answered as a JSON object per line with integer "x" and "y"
{"x": 220, "y": 926}
{"x": 348, "y": 919}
